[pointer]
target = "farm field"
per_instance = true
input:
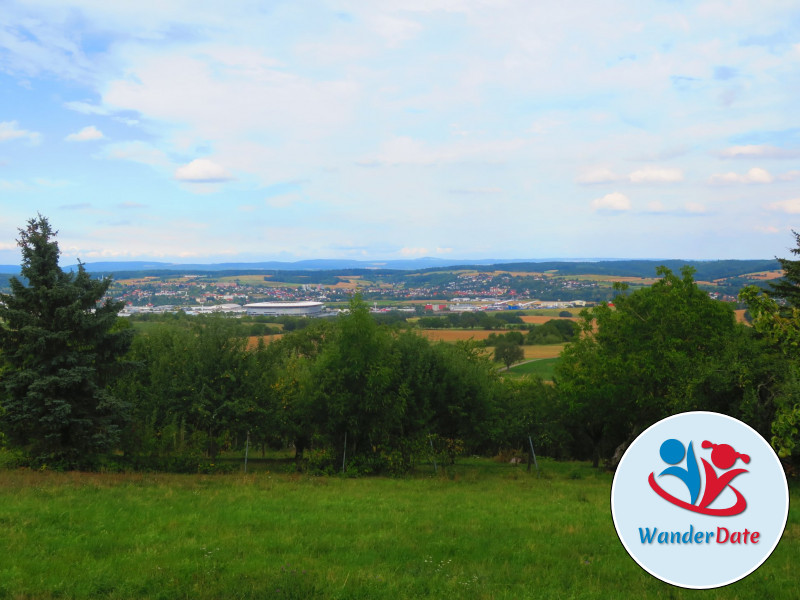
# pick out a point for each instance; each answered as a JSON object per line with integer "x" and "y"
{"x": 252, "y": 341}
{"x": 542, "y": 319}
{"x": 480, "y": 529}
{"x": 543, "y": 368}
{"x": 545, "y": 351}
{"x": 457, "y": 335}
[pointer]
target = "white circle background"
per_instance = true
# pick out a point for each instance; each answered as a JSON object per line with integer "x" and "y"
{"x": 635, "y": 505}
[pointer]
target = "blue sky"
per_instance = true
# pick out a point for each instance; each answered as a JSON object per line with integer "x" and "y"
{"x": 209, "y": 132}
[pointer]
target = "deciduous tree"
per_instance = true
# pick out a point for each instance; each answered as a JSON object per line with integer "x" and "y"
{"x": 507, "y": 352}
{"x": 661, "y": 350}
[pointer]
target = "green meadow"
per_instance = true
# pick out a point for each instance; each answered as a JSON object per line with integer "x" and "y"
{"x": 543, "y": 367}
{"x": 480, "y": 529}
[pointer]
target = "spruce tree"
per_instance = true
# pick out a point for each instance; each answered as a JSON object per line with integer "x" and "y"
{"x": 60, "y": 348}
{"x": 788, "y": 287}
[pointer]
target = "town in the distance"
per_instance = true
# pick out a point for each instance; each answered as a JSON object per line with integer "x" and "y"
{"x": 507, "y": 286}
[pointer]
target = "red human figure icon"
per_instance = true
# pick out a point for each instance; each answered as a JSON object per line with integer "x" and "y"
{"x": 724, "y": 457}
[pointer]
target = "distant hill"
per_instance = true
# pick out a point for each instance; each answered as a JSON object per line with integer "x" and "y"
{"x": 302, "y": 265}
{"x": 705, "y": 270}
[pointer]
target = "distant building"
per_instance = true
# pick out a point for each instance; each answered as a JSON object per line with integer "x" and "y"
{"x": 279, "y": 309}
{"x": 235, "y": 309}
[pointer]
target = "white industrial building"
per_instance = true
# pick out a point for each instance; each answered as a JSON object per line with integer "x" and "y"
{"x": 279, "y": 309}
{"x": 235, "y": 309}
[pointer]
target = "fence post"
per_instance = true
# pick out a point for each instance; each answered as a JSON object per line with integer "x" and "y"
{"x": 344, "y": 451}
{"x": 246, "y": 449}
{"x": 433, "y": 454}
{"x": 533, "y": 454}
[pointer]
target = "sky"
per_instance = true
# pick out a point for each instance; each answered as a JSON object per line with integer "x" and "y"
{"x": 203, "y": 131}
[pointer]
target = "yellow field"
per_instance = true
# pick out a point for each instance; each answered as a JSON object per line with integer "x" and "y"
{"x": 767, "y": 275}
{"x": 549, "y": 351}
{"x": 541, "y": 319}
{"x": 457, "y": 335}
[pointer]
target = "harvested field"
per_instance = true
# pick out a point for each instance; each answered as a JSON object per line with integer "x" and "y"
{"x": 549, "y": 351}
{"x": 542, "y": 319}
{"x": 767, "y": 275}
{"x": 252, "y": 341}
{"x": 457, "y": 335}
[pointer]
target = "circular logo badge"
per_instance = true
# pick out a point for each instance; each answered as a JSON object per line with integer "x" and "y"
{"x": 699, "y": 500}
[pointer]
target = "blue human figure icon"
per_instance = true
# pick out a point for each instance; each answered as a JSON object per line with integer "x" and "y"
{"x": 672, "y": 452}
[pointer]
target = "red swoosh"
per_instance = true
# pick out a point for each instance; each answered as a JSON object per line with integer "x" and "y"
{"x": 737, "y": 508}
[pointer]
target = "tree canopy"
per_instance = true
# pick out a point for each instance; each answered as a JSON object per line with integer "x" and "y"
{"x": 657, "y": 351}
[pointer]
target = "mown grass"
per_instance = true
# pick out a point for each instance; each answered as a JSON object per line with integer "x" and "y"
{"x": 478, "y": 530}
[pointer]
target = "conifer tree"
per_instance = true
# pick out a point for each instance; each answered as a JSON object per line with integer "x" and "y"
{"x": 59, "y": 347}
{"x": 788, "y": 287}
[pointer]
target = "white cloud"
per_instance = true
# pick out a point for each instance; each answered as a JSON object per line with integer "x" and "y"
{"x": 9, "y": 130}
{"x": 754, "y": 175}
{"x": 39, "y": 182}
{"x": 284, "y": 200}
{"x": 394, "y": 30}
{"x": 137, "y": 151}
{"x": 86, "y": 108}
{"x": 655, "y": 206}
{"x": 695, "y": 208}
{"x": 656, "y": 175}
{"x": 766, "y": 229}
{"x": 758, "y": 151}
{"x": 12, "y": 186}
{"x": 228, "y": 93}
{"x": 598, "y": 175}
{"x": 202, "y": 170}
{"x": 644, "y": 175}
{"x": 408, "y": 151}
{"x": 614, "y": 202}
{"x": 87, "y": 134}
{"x": 791, "y": 207}
{"x": 789, "y": 175}
{"x": 477, "y": 191}
{"x": 52, "y": 183}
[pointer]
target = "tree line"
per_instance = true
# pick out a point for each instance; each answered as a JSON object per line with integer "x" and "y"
{"x": 80, "y": 389}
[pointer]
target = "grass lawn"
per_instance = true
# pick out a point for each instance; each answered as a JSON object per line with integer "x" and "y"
{"x": 480, "y": 530}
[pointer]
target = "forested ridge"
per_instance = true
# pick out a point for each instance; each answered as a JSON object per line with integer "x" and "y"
{"x": 705, "y": 270}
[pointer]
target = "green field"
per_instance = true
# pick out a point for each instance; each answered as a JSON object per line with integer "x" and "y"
{"x": 479, "y": 530}
{"x": 543, "y": 367}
